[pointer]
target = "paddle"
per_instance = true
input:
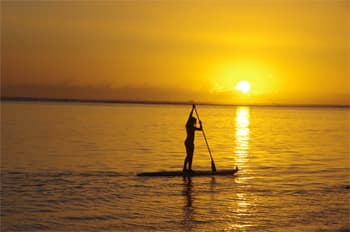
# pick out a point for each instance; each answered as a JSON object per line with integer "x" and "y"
{"x": 213, "y": 168}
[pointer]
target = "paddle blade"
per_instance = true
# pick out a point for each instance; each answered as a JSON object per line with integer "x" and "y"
{"x": 213, "y": 168}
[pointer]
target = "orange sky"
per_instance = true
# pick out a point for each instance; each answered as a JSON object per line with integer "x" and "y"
{"x": 291, "y": 51}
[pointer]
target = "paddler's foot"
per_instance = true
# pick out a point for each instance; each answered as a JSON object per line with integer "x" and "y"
{"x": 187, "y": 172}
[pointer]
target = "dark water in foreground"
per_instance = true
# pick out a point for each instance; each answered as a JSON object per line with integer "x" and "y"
{"x": 72, "y": 167}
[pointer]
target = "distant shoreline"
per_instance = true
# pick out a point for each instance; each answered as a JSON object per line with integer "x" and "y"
{"x": 144, "y": 102}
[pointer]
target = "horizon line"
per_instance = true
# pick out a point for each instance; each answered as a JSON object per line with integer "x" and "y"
{"x": 155, "y": 102}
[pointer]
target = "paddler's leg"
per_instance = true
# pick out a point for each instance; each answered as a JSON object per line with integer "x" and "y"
{"x": 187, "y": 157}
{"x": 190, "y": 157}
{"x": 185, "y": 164}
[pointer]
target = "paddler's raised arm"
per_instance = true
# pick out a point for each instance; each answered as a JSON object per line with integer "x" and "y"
{"x": 190, "y": 116}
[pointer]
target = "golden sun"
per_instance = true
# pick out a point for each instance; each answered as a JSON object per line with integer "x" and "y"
{"x": 243, "y": 86}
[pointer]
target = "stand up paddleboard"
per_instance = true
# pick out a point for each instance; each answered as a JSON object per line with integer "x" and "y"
{"x": 194, "y": 173}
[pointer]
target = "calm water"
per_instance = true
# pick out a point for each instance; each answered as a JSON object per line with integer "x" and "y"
{"x": 72, "y": 167}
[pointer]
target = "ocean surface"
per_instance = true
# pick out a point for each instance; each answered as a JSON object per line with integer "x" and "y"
{"x": 73, "y": 166}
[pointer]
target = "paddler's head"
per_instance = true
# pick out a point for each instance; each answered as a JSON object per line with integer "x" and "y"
{"x": 193, "y": 120}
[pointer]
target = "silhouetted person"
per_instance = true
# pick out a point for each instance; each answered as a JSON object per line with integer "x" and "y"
{"x": 189, "y": 142}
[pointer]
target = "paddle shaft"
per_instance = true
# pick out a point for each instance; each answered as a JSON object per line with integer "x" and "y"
{"x": 205, "y": 138}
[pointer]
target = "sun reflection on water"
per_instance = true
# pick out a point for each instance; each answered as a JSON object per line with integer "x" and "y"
{"x": 241, "y": 204}
{"x": 240, "y": 213}
{"x": 242, "y": 135}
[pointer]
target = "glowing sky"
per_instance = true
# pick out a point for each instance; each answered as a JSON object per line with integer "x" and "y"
{"x": 291, "y": 51}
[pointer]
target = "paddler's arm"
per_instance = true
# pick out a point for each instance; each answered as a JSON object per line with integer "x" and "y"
{"x": 190, "y": 116}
